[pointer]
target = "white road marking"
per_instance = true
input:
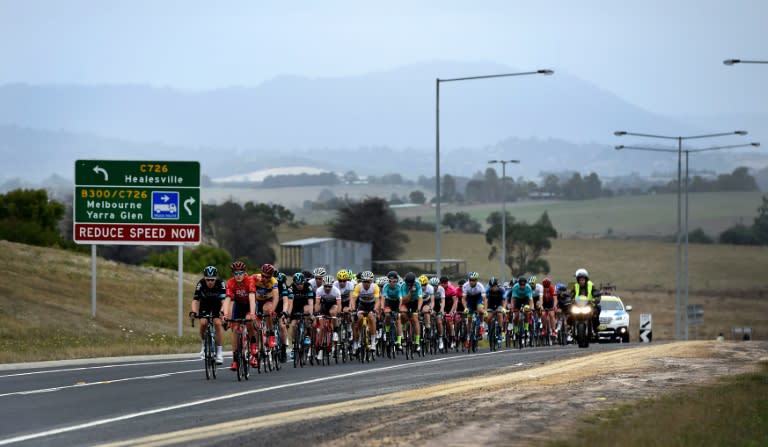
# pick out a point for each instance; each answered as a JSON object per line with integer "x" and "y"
{"x": 124, "y": 417}
{"x": 100, "y": 382}
{"x": 84, "y": 368}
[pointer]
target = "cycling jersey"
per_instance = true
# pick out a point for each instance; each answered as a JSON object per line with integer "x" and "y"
{"x": 495, "y": 297}
{"x": 345, "y": 291}
{"x": 301, "y": 297}
{"x": 239, "y": 291}
{"x": 366, "y": 295}
{"x": 412, "y": 293}
{"x": 537, "y": 290}
{"x": 520, "y": 295}
{"x": 264, "y": 287}
{"x": 210, "y": 298}
{"x": 452, "y": 294}
{"x": 548, "y": 297}
{"x": 474, "y": 294}
{"x": 329, "y": 295}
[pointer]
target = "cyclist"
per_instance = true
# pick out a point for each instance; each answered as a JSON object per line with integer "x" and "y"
{"x": 366, "y": 298}
{"x": 241, "y": 293}
{"x": 411, "y": 302}
{"x": 584, "y": 287}
{"x": 563, "y": 306}
{"x": 300, "y": 302}
{"x": 520, "y": 295}
{"x": 393, "y": 294}
{"x": 283, "y": 316}
{"x": 473, "y": 297}
{"x": 345, "y": 285}
{"x": 549, "y": 303}
{"x": 439, "y": 307}
{"x": 428, "y": 302}
{"x": 267, "y": 297}
{"x": 327, "y": 304}
{"x": 452, "y": 297}
{"x": 537, "y": 290}
{"x": 210, "y": 292}
{"x": 496, "y": 301}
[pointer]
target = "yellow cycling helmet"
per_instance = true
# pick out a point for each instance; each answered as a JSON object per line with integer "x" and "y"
{"x": 423, "y": 280}
{"x": 342, "y": 275}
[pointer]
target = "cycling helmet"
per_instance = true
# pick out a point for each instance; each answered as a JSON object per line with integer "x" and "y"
{"x": 351, "y": 274}
{"x": 493, "y": 282}
{"x": 473, "y": 276}
{"x": 382, "y": 281}
{"x": 342, "y": 275}
{"x": 298, "y": 278}
{"x": 423, "y": 280}
{"x": 393, "y": 275}
{"x": 281, "y": 277}
{"x": 410, "y": 278}
{"x": 366, "y": 275}
{"x": 522, "y": 279}
{"x": 532, "y": 280}
{"x": 359, "y": 276}
{"x": 268, "y": 270}
{"x": 560, "y": 287}
{"x": 546, "y": 282}
{"x": 319, "y": 272}
{"x": 434, "y": 281}
{"x": 581, "y": 272}
{"x": 327, "y": 280}
{"x": 238, "y": 266}
{"x": 210, "y": 272}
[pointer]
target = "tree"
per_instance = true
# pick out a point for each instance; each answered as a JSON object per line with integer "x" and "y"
{"x": 551, "y": 185}
{"x": 247, "y": 231}
{"x": 698, "y": 236}
{"x": 449, "y": 188}
{"x": 461, "y": 222}
{"x": 526, "y": 243}
{"x": 574, "y": 188}
{"x": 738, "y": 234}
{"x": 373, "y": 221}
{"x": 28, "y": 217}
{"x": 760, "y": 227}
{"x": 417, "y": 196}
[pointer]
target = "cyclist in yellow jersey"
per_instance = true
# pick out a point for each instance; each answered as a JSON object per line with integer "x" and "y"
{"x": 267, "y": 295}
{"x": 366, "y": 298}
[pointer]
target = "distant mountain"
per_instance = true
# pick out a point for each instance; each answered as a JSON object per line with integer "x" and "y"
{"x": 393, "y": 108}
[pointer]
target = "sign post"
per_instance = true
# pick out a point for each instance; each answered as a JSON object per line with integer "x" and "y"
{"x": 136, "y": 202}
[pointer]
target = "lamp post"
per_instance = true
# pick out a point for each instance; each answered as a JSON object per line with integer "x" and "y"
{"x": 739, "y": 61}
{"x": 438, "y": 81}
{"x": 503, "y": 254}
{"x": 677, "y": 266}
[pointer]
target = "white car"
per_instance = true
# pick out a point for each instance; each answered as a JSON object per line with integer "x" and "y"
{"x": 614, "y": 320}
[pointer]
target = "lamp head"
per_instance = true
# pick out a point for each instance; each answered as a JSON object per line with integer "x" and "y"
{"x": 619, "y": 147}
{"x": 493, "y": 161}
{"x": 731, "y": 61}
{"x": 620, "y": 133}
{"x": 741, "y": 132}
{"x": 545, "y": 72}
{"x": 755, "y": 144}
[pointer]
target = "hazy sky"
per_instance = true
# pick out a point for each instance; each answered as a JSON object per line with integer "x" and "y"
{"x": 664, "y": 55}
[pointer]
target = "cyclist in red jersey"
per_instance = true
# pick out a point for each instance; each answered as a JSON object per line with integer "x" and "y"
{"x": 549, "y": 302}
{"x": 241, "y": 303}
{"x": 452, "y": 297}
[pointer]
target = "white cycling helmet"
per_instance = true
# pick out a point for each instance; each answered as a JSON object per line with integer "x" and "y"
{"x": 581, "y": 272}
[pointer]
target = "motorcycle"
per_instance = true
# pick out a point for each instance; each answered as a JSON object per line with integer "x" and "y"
{"x": 582, "y": 310}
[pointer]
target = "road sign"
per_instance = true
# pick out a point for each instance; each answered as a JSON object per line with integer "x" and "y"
{"x": 646, "y": 330}
{"x": 137, "y": 202}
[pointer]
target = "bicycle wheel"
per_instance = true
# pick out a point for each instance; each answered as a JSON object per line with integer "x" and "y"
{"x": 237, "y": 357}
{"x": 211, "y": 355}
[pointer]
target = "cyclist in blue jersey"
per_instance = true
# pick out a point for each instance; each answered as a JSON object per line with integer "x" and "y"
{"x": 520, "y": 295}
{"x": 392, "y": 294}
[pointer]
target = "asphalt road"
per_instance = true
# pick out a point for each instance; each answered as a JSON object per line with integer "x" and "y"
{"x": 92, "y": 403}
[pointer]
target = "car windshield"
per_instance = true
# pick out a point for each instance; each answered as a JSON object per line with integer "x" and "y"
{"x": 611, "y": 305}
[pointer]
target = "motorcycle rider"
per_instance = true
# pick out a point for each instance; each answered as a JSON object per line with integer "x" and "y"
{"x": 584, "y": 287}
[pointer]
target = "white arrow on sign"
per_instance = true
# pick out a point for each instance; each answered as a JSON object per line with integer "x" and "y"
{"x": 165, "y": 198}
{"x": 188, "y": 202}
{"x": 98, "y": 169}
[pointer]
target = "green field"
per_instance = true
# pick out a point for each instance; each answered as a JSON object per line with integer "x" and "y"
{"x": 619, "y": 217}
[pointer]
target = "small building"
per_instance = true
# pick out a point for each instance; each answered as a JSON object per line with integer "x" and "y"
{"x": 330, "y": 253}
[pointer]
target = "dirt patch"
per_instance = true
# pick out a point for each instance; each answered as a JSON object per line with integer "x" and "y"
{"x": 523, "y": 407}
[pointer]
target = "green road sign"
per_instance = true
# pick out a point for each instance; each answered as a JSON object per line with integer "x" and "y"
{"x": 137, "y": 202}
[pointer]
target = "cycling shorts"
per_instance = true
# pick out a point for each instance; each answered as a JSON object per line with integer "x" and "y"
{"x": 240, "y": 310}
{"x": 365, "y": 307}
{"x": 392, "y": 305}
{"x": 325, "y": 307}
{"x": 260, "y": 306}
{"x": 519, "y": 303}
{"x": 412, "y": 306}
{"x": 211, "y": 307}
{"x": 548, "y": 305}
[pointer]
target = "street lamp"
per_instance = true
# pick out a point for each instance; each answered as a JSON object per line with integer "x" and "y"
{"x": 503, "y": 254}
{"x": 739, "y": 61}
{"x": 438, "y": 81}
{"x": 677, "y": 266}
